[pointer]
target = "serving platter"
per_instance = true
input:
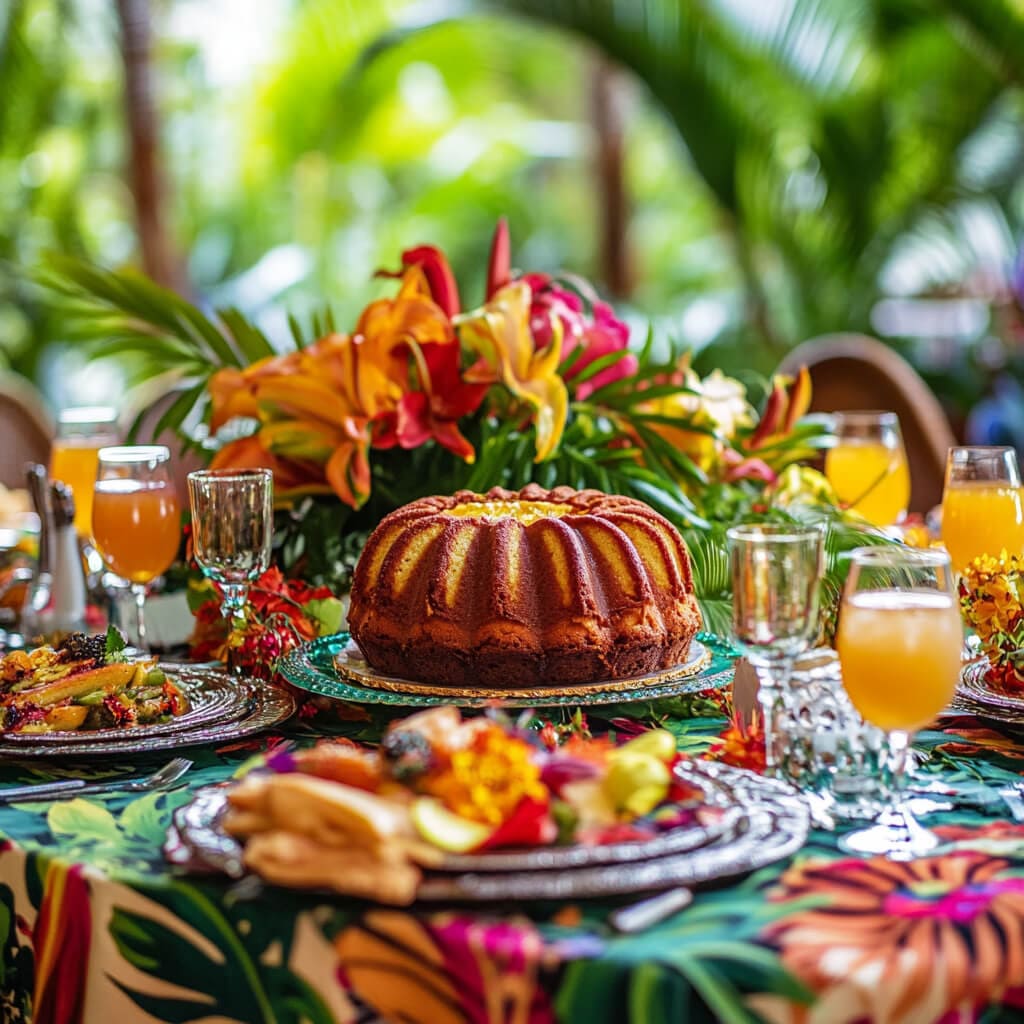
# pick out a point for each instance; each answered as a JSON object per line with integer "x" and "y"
{"x": 976, "y": 695}
{"x": 761, "y": 821}
{"x": 333, "y": 666}
{"x": 255, "y": 707}
{"x": 213, "y": 697}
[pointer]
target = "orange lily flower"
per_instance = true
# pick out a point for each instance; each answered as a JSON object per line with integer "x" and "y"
{"x": 397, "y": 380}
{"x": 788, "y": 401}
{"x": 499, "y": 333}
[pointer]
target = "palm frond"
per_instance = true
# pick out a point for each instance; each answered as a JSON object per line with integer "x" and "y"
{"x": 122, "y": 313}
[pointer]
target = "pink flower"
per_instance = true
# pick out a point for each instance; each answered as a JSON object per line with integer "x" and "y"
{"x": 600, "y": 332}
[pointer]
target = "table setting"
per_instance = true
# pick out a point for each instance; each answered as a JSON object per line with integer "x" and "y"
{"x": 532, "y": 678}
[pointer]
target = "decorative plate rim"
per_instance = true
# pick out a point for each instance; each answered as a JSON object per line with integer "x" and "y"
{"x": 270, "y": 705}
{"x": 311, "y": 667}
{"x": 771, "y": 823}
{"x": 193, "y": 680}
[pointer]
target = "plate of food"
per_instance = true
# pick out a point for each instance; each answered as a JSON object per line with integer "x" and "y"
{"x": 88, "y": 695}
{"x": 978, "y": 687}
{"x": 455, "y": 809}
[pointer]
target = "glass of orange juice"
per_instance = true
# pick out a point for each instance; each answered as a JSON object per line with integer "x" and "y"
{"x": 136, "y": 518}
{"x": 81, "y": 432}
{"x": 867, "y": 466}
{"x": 982, "y": 504}
{"x": 899, "y": 643}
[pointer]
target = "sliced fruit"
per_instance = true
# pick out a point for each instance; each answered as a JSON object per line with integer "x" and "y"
{"x": 439, "y": 826}
{"x": 630, "y": 772}
{"x": 109, "y": 678}
{"x": 659, "y": 743}
{"x": 66, "y": 718}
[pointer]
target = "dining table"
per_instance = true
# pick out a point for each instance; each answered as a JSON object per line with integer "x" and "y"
{"x": 96, "y": 926}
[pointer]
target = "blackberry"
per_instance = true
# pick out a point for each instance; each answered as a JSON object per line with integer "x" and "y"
{"x": 82, "y": 647}
{"x": 407, "y": 754}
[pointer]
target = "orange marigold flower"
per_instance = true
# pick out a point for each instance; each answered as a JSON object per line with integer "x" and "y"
{"x": 486, "y": 780}
{"x": 740, "y": 745}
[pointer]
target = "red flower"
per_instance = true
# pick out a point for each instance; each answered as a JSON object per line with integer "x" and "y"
{"x": 61, "y": 940}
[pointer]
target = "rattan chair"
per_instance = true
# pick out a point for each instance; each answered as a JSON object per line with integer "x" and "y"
{"x": 26, "y": 429}
{"x": 853, "y": 371}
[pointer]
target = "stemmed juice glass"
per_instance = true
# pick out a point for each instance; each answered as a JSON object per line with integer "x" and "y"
{"x": 899, "y": 643}
{"x": 232, "y": 530}
{"x": 136, "y": 519}
{"x": 982, "y": 506}
{"x": 867, "y": 467}
{"x": 74, "y": 457}
{"x": 776, "y": 572}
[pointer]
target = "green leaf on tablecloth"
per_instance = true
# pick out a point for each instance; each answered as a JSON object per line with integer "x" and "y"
{"x": 145, "y": 818}
{"x": 83, "y": 819}
{"x": 327, "y": 612}
{"x": 226, "y": 984}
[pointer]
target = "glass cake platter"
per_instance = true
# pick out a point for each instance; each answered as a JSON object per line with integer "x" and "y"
{"x": 333, "y": 666}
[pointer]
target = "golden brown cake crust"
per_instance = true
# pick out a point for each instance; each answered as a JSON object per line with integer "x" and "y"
{"x": 523, "y": 588}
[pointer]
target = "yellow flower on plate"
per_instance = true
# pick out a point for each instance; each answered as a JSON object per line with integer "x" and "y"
{"x": 485, "y": 780}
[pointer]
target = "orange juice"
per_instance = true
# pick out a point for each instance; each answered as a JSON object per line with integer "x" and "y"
{"x": 75, "y": 461}
{"x": 136, "y": 527}
{"x": 900, "y": 654}
{"x": 871, "y": 478}
{"x": 981, "y": 517}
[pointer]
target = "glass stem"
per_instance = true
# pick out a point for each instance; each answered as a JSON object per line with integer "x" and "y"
{"x": 232, "y": 607}
{"x": 771, "y": 677}
{"x": 139, "y": 592}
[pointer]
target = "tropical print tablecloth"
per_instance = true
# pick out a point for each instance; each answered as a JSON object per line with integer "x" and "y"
{"x": 96, "y": 929}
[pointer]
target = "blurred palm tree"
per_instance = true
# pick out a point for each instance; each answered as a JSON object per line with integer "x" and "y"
{"x": 828, "y": 132}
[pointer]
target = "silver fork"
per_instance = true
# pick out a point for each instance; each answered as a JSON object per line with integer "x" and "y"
{"x": 166, "y": 776}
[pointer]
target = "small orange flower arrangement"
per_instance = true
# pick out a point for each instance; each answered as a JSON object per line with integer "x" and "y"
{"x": 991, "y": 595}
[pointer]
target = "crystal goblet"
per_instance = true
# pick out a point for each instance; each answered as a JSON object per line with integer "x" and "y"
{"x": 776, "y": 570}
{"x": 232, "y": 530}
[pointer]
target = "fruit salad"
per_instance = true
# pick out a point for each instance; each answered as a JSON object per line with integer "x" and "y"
{"x": 84, "y": 682}
{"x": 367, "y": 821}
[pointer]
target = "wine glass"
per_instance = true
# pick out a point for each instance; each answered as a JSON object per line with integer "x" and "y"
{"x": 776, "y": 570}
{"x": 136, "y": 520}
{"x": 982, "y": 507}
{"x": 867, "y": 466}
{"x": 232, "y": 529}
{"x": 74, "y": 458}
{"x": 899, "y": 644}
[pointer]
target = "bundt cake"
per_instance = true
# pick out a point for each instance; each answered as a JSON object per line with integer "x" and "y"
{"x": 523, "y": 588}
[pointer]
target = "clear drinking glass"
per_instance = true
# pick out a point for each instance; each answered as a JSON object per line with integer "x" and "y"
{"x": 899, "y": 645}
{"x": 776, "y": 571}
{"x": 232, "y": 530}
{"x": 74, "y": 457}
{"x": 136, "y": 519}
{"x": 867, "y": 466}
{"x": 982, "y": 506}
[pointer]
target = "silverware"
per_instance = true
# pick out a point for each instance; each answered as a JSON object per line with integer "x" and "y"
{"x": 166, "y": 776}
{"x": 638, "y": 917}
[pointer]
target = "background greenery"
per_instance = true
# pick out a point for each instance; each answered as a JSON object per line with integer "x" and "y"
{"x": 790, "y": 167}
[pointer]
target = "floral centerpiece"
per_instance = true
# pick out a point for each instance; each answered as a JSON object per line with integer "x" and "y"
{"x": 428, "y": 394}
{"x": 991, "y": 592}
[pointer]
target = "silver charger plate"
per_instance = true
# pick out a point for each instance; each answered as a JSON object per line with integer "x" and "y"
{"x": 975, "y": 690}
{"x": 763, "y": 821}
{"x": 214, "y": 697}
{"x": 266, "y": 706}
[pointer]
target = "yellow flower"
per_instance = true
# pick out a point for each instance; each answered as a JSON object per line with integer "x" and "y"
{"x": 486, "y": 780}
{"x": 499, "y": 333}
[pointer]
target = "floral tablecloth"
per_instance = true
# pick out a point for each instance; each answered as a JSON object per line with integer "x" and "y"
{"x": 95, "y": 927}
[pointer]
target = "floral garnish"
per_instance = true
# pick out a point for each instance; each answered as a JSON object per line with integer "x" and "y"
{"x": 740, "y": 744}
{"x": 281, "y": 614}
{"x": 486, "y": 780}
{"x": 991, "y": 592}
